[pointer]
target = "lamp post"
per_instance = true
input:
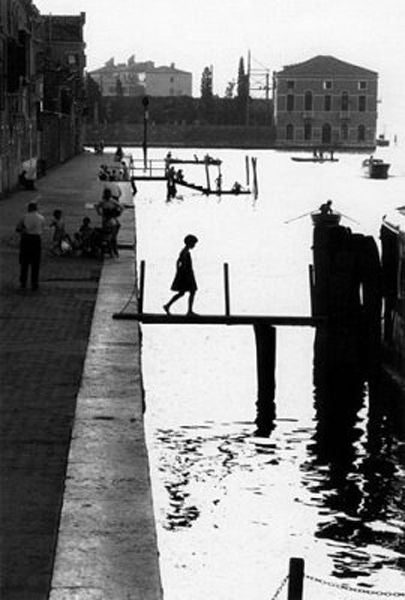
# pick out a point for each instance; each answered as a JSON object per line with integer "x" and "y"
{"x": 145, "y": 102}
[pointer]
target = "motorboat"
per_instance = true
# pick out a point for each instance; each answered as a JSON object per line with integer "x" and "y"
{"x": 376, "y": 168}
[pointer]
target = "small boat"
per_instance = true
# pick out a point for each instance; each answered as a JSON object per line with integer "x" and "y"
{"x": 382, "y": 141}
{"x": 315, "y": 159}
{"x": 376, "y": 168}
{"x": 325, "y": 219}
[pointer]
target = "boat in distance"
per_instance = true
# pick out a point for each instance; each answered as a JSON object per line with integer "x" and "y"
{"x": 376, "y": 168}
{"x": 315, "y": 159}
{"x": 325, "y": 219}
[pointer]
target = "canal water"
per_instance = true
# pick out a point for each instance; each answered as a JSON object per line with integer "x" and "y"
{"x": 327, "y": 485}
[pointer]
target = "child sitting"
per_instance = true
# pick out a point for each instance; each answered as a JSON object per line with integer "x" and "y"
{"x": 84, "y": 238}
{"x": 62, "y": 244}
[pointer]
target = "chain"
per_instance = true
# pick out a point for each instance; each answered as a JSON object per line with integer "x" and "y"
{"x": 358, "y": 590}
{"x": 280, "y": 587}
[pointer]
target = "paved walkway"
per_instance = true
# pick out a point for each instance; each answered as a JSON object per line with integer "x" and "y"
{"x": 71, "y": 415}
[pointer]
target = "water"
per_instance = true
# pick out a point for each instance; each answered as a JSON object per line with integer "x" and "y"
{"x": 327, "y": 485}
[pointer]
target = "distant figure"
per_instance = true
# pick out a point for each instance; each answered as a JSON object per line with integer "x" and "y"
{"x": 315, "y": 153}
{"x": 331, "y": 154}
{"x": 110, "y": 209}
{"x": 171, "y": 185}
{"x": 218, "y": 183}
{"x": 184, "y": 280}
{"x": 119, "y": 154}
{"x": 180, "y": 175}
{"x": 326, "y": 208}
{"x": 236, "y": 188}
{"x": 30, "y": 227}
{"x": 84, "y": 238}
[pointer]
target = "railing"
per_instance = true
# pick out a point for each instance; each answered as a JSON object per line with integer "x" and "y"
{"x": 296, "y": 576}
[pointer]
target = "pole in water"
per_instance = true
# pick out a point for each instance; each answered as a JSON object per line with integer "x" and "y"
{"x": 226, "y": 286}
{"x": 141, "y": 286}
{"x": 295, "y": 579}
{"x": 247, "y": 171}
{"x": 266, "y": 379}
{"x": 145, "y": 102}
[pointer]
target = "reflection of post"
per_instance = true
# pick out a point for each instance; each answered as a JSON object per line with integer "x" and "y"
{"x": 266, "y": 382}
{"x": 226, "y": 284}
{"x": 145, "y": 102}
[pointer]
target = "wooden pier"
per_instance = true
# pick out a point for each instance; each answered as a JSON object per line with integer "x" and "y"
{"x": 264, "y": 327}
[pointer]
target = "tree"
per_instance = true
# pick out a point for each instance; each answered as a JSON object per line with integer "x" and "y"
{"x": 207, "y": 99}
{"x": 206, "y": 84}
{"x": 230, "y": 89}
{"x": 242, "y": 90}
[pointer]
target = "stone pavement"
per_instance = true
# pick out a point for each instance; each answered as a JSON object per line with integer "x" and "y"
{"x": 71, "y": 414}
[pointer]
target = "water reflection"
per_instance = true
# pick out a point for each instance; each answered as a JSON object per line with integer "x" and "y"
{"x": 353, "y": 468}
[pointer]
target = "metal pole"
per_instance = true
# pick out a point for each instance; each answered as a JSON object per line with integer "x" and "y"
{"x": 141, "y": 286}
{"x": 145, "y": 102}
{"x": 226, "y": 285}
{"x": 296, "y": 579}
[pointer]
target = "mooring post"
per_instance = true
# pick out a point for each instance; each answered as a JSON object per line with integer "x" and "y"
{"x": 266, "y": 380}
{"x": 255, "y": 184}
{"x": 207, "y": 173}
{"x": 247, "y": 171}
{"x": 226, "y": 286}
{"x": 311, "y": 287}
{"x": 296, "y": 579}
{"x": 141, "y": 286}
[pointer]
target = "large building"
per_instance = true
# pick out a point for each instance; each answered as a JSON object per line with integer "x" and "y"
{"x": 325, "y": 103}
{"x": 41, "y": 89}
{"x": 141, "y": 78}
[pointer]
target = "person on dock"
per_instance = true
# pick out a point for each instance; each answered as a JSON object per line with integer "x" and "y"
{"x": 184, "y": 280}
{"x": 326, "y": 208}
{"x": 30, "y": 227}
{"x": 119, "y": 154}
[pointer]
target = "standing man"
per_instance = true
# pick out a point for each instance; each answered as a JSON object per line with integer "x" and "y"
{"x": 31, "y": 228}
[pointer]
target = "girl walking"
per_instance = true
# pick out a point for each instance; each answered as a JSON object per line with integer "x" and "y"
{"x": 184, "y": 280}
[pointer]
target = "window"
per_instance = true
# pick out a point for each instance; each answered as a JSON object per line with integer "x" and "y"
{"x": 328, "y": 103}
{"x": 344, "y": 131}
{"x": 344, "y": 101}
{"x": 362, "y": 85}
{"x": 361, "y": 133}
{"x": 290, "y": 131}
{"x": 290, "y": 102}
{"x": 308, "y": 131}
{"x": 362, "y": 103}
{"x": 308, "y": 100}
{"x": 327, "y": 84}
{"x": 326, "y": 133}
{"x": 72, "y": 59}
{"x": 290, "y": 84}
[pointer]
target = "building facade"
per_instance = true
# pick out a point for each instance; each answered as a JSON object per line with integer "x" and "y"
{"x": 325, "y": 103}
{"x": 41, "y": 80}
{"x": 139, "y": 79}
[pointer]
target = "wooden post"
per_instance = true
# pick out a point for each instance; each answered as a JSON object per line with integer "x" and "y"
{"x": 255, "y": 184}
{"x": 311, "y": 287}
{"x": 207, "y": 173}
{"x": 296, "y": 579}
{"x": 247, "y": 171}
{"x": 141, "y": 286}
{"x": 266, "y": 380}
{"x": 226, "y": 287}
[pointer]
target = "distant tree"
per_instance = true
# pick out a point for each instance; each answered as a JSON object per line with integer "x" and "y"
{"x": 230, "y": 89}
{"x": 206, "y": 84}
{"x": 207, "y": 99}
{"x": 242, "y": 90}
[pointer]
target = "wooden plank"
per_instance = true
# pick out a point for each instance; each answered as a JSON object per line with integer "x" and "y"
{"x": 176, "y": 319}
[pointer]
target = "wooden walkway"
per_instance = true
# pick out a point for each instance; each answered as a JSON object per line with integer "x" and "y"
{"x": 176, "y": 319}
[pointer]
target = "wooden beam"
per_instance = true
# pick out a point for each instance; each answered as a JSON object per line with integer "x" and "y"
{"x": 172, "y": 319}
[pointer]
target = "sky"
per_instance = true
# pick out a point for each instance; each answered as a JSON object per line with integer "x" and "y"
{"x": 195, "y": 34}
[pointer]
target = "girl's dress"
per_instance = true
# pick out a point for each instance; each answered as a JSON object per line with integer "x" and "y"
{"x": 184, "y": 280}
